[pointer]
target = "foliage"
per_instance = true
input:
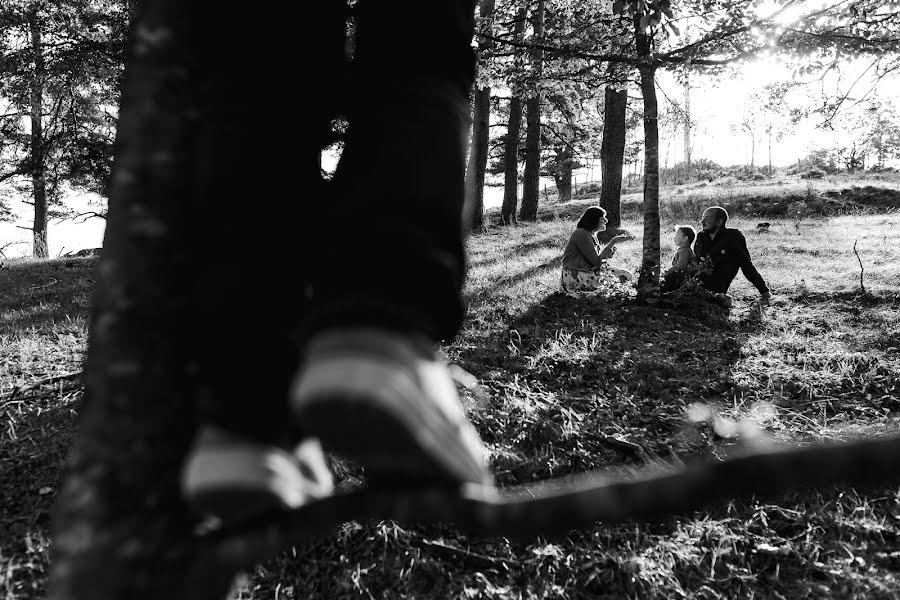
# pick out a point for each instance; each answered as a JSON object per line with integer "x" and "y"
{"x": 82, "y": 45}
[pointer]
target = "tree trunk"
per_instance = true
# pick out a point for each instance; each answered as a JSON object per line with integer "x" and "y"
{"x": 481, "y": 132}
{"x": 752, "y": 151}
{"x": 120, "y": 526}
{"x": 770, "y": 151}
{"x": 38, "y": 179}
{"x": 531, "y": 179}
{"x": 648, "y": 279}
{"x": 562, "y": 174}
{"x": 612, "y": 152}
{"x": 687, "y": 125}
{"x": 475, "y": 172}
{"x": 511, "y": 163}
{"x": 513, "y": 132}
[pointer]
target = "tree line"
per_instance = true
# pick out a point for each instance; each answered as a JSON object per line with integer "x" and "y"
{"x": 556, "y": 73}
{"x": 570, "y": 65}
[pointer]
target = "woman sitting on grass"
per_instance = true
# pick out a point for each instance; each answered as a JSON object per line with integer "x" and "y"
{"x": 585, "y": 269}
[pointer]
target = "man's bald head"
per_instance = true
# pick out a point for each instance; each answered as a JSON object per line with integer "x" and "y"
{"x": 714, "y": 219}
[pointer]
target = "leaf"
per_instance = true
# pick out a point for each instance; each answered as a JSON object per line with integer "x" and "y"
{"x": 618, "y": 7}
{"x": 645, "y": 22}
{"x": 674, "y": 29}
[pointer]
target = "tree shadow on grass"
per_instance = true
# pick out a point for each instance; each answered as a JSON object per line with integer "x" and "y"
{"x": 587, "y": 383}
{"x": 38, "y": 294}
{"x": 550, "y": 240}
{"x": 37, "y": 432}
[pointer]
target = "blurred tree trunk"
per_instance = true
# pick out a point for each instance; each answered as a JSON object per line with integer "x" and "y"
{"x": 648, "y": 279}
{"x": 531, "y": 179}
{"x": 752, "y": 151}
{"x": 612, "y": 151}
{"x": 120, "y": 527}
{"x": 511, "y": 147}
{"x": 38, "y": 180}
{"x": 481, "y": 133}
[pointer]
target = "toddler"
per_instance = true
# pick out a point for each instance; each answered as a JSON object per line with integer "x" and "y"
{"x": 674, "y": 277}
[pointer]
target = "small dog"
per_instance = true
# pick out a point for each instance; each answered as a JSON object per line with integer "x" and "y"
{"x": 762, "y": 227}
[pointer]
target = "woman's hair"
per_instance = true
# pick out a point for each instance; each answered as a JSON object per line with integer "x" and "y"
{"x": 688, "y": 232}
{"x": 591, "y": 218}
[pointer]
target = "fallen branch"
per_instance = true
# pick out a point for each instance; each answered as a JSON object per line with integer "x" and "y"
{"x": 473, "y": 559}
{"x": 523, "y": 513}
{"x": 40, "y": 383}
{"x": 862, "y": 286}
{"x": 44, "y": 285}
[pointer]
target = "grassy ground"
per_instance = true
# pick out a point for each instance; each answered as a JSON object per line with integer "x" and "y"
{"x": 568, "y": 385}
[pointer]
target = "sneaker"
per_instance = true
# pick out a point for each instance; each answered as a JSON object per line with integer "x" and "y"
{"x": 232, "y": 478}
{"x": 388, "y": 402}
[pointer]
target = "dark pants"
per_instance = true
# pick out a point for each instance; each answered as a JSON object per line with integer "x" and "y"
{"x": 673, "y": 281}
{"x": 283, "y": 254}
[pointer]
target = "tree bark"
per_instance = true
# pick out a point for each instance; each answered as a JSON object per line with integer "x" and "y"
{"x": 562, "y": 173}
{"x": 687, "y": 125}
{"x": 531, "y": 178}
{"x": 477, "y": 167}
{"x": 38, "y": 179}
{"x": 648, "y": 279}
{"x": 511, "y": 147}
{"x": 511, "y": 162}
{"x": 612, "y": 152}
{"x": 120, "y": 526}
{"x": 481, "y": 115}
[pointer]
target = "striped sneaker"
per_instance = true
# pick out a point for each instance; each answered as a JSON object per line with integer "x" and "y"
{"x": 232, "y": 478}
{"x": 387, "y": 401}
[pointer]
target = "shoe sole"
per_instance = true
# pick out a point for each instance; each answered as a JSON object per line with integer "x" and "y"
{"x": 375, "y": 419}
{"x": 235, "y": 484}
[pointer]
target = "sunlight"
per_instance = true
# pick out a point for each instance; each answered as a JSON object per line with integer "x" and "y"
{"x": 772, "y": 10}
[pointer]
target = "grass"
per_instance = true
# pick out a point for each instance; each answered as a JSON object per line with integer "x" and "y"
{"x": 567, "y": 385}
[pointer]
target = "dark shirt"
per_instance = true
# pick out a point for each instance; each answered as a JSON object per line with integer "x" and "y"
{"x": 727, "y": 253}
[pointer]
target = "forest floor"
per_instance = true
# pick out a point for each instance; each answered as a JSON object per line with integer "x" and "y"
{"x": 568, "y": 385}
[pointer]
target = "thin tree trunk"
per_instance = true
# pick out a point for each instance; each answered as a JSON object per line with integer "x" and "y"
{"x": 120, "y": 526}
{"x": 511, "y": 163}
{"x": 687, "y": 125}
{"x": 531, "y": 179}
{"x": 752, "y": 151}
{"x": 481, "y": 115}
{"x": 648, "y": 279}
{"x": 612, "y": 154}
{"x": 38, "y": 181}
{"x": 513, "y": 131}
{"x": 770, "y": 151}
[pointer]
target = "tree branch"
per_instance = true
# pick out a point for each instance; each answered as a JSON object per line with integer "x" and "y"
{"x": 557, "y": 506}
{"x": 15, "y": 173}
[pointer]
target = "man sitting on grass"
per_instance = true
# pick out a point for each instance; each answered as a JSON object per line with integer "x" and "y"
{"x": 725, "y": 251}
